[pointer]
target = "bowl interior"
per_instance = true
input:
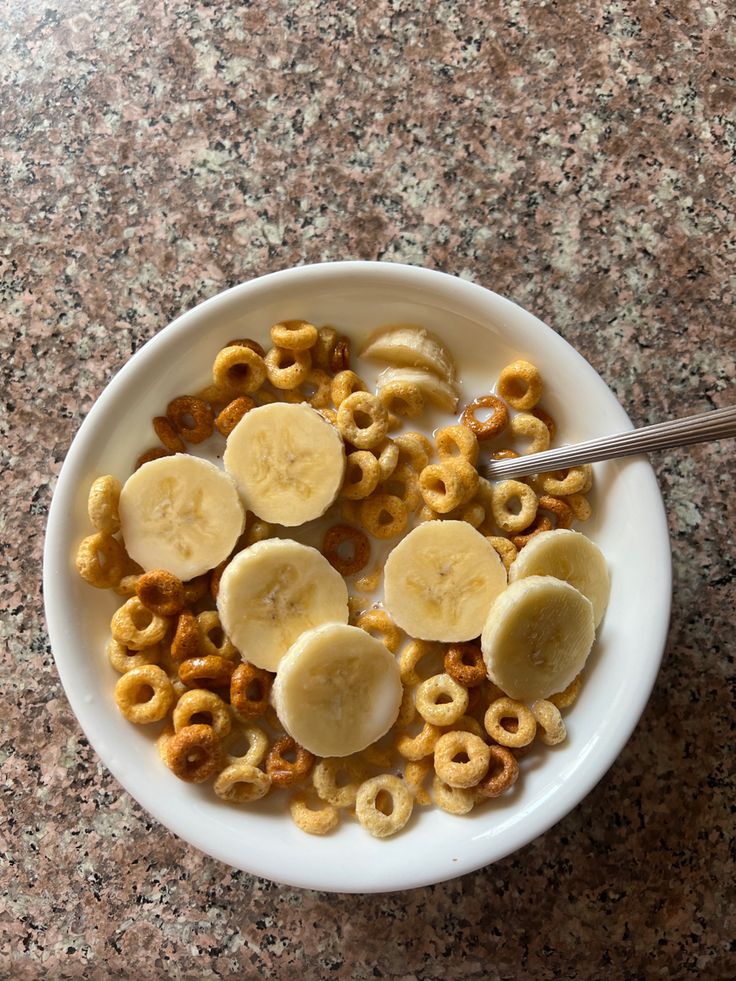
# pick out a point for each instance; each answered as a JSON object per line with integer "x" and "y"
{"x": 484, "y": 331}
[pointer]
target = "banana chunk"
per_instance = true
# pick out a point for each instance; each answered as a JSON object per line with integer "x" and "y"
{"x": 272, "y": 592}
{"x": 337, "y": 690}
{"x": 567, "y": 555}
{"x": 287, "y": 461}
{"x": 537, "y": 637}
{"x": 413, "y": 346}
{"x": 440, "y": 581}
{"x": 180, "y": 513}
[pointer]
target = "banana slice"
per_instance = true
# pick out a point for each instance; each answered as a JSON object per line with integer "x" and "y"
{"x": 443, "y": 394}
{"x": 567, "y": 555}
{"x": 440, "y": 581}
{"x": 537, "y": 637}
{"x": 180, "y": 513}
{"x": 411, "y": 345}
{"x": 272, "y": 592}
{"x": 287, "y": 461}
{"x": 337, "y": 690}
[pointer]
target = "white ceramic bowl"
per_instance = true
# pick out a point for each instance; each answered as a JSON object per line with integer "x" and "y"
{"x": 485, "y": 332}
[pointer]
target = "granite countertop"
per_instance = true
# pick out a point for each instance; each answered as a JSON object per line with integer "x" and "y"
{"x": 577, "y": 158}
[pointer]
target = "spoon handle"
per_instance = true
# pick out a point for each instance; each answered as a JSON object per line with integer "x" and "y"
{"x": 701, "y": 428}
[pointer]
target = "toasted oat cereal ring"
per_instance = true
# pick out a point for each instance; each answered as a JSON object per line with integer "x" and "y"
{"x": 505, "y": 548}
{"x": 513, "y": 505}
{"x": 411, "y": 657}
{"x": 417, "y": 449}
{"x": 428, "y": 700}
{"x": 101, "y": 560}
{"x": 126, "y": 586}
{"x": 561, "y": 483}
{"x": 368, "y": 583}
{"x": 549, "y": 721}
{"x": 474, "y": 513}
{"x": 311, "y": 814}
{"x": 362, "y": 420}
{"x": 196, "y": 589}
{"x": 382, "y": 753}
{"x": 559, "y": 508}
{"x": 323, "y": 348}
{"x": 466, "y": 723}
{"x": 404, "y": 484}
{"x": 186, "y": 642}
{"x": 329, "y": 415}
{"x": 407, "y": 710}
{"x": 250, "y": 688}
{"x": 316, "y": 388}
{"x": 247, "y": 342}
{"x": 239, "y": 370}
{"x": 388, "y": 457}
{"x": 193, "y": 754}
{"x": 210, "y": 671}
{"x": 214, "y": 395}
{"x": 502, "y": 773}
{"x": 529, "y": 427}
{"x": 580, "y": 506}
{"x": 459, "y": 440}
{"x": 362, "y": 473}
{"x": 520, "y": 384}
{"x": 255, "y": 749}
{"x": 199, "y": 705}
{"x": 340, "y": 355}
{"x": 294, "y": 335}
{"x": 402, "y": 398}
{"x": 337, "y": 780}
{"x": 192, "y": 418}
{"x": 136, "y": 626}
{"x": 454, "y": 800}
{"x": 520, "y": 728}
{"x": 212, "y": 637}
{"x": 461, "y": 759}
{"x": 345, "y": 383}
{"x": 282, "y": 768}
{"x": 416, "y": 747}
{"x": 228, "y": 418}
{"x": 155, "y": 453}
{"x": 566, "y": 698}
{"x": 425, "y": 513}
{"x": 383, "y": 805}
{"x": 383, "y": 515}
{"x": 505, "y": 455}
{"x": 102, "y": 504}
{"x": 415, "y": 776}
{"x": 216, "y": 575}
{"x": 241, "y": 783}
{"x": 287, "y": 369}
{"x": 493, "y": 424}
{"x": 161, "y": 592}
{"x": 379, "y": 624}
{"x": 258, "y": 531}
{"x": 445, "y": 486}
{"x": 123, "y": 659}
{"x": 347, "y": 549}
{"x": 541, "y": 523}
{"x": 144, "y": 694}
{"x": 464, "y": 663}
{"x": 166, "y": 432}
{"x": 547, "y": 419}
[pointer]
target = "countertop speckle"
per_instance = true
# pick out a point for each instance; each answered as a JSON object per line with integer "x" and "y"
{"x": 579, "y": 158}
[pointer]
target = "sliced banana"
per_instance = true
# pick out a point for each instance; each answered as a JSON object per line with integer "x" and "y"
{"x": 567, "y": 555}
{"x": 287, "y": 461}
{"x": 411, "y": 345}
{"x": 272, "y": 592}
{"x": 337, "y": 690}
{"x": 180, "y": 513}
{"x": 443, "y": 394}
{"x": 537, "y": 637}
{"x": 440, "y": 581}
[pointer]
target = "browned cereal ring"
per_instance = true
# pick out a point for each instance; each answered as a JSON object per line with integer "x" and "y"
{"x": 580, "y": 506}
{"x": 415, "y": 774}
{"x": 210, "y": 671}
{"x": 228, "y": 418}
{"x": 416, "y": 448}
{"x": 421, "y": 745}
{"x": 441, "y": 713}
{"x": 337, "y": 780}
{"x": 407, "y": 710}
{"x": 213, "y": 639}
{"x": 524, "y": 510}
{"x": 199, "y": 705}
{"x": 216, "y": 575}
{"x": 529, "y": 427}
{"x": 311, "y": 814}
{"x": 566, "y": 698}
{"x": 192, "y": 418}
{"x": 155, "y": 453}
{"x": 379, "y": 622}
{"x": 561, "y": 483}
{"x": 464, "y": 663}
{"x": 520, "y": 384}
{"x": 340, "y": 538}
{"x": 193, "y": 754}
{"x": 555, "y": 505}
{"x": 102, "y": 504}
{"x": 123, "y": 659}
{"x": 144, "y": 694}
{"x": 362, "y": 420}
{"x": 323, "y": 348}
{"x": 541, "y": 523}
{"x": 515, "y": 714}
{"x": 452, "y": 441}
{"x": 488, "y": 428}
{"x": 454, "y": 800}
{"x": 241, "y": 783}
{"x": 505, "y": 548}
{"x": 362, "y": 473}
{"x": 503, "y": 772}
{"x": 196, "y": 589}
{"x": 287, "y": 369}
{"x": 160, "y": 592}
{"x": 402, "y": 398}
{"x": 186, "y": 642}
{"x": 294, "y": 335}
{"x": 445, "y": 486}
{"x": 249, "y": 343}
{"x": 404, "y": 484}
{"x": 383, "y": 515}
{"x": 547, "y": 419}
{"x": 164, "y": 429}
{"x": 250, "y": 688}
{"x": 340, "y": 356}
{"x": 345, "y": 383}
{"x": 134, "y": 625}
{"x": 411, "y": 657}
{"x": 256, "y": 745}
{"x": 239, "y": 370}
{"x": 454, "y": 771}
{"x": 285, "y": 771}
{"x": 549, "y": 721}
{"x": 383, "y": 805}
{"x": 101, "y": 560}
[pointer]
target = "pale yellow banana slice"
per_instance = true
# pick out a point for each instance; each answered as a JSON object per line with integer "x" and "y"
{"x": 287, "y": 461}
{"x": 537, "y": 637}
{"x": 180, "y": 513}
{"x": 440, "y": 581}
{"x": 413, "y": 346}
{"x": 337, "y": 690}
{"x": 567, "y": 555}
{"x": 443, "y": 394}
{"x": 272, "y": 592}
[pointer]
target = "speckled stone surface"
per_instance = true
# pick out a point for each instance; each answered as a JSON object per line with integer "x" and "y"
{"x": 578, "y": 158}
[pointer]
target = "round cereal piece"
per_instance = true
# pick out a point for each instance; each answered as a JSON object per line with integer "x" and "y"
{"x": 416, "y": 747}
{"x": 228, "y": 418}
{"x": 461, "y": 772}
{"x": 362, "y": 473}
{"x": 506, "y": 549}
{"x": 324, "y": 347}
{"x": 212, "y": 637}
{"x": 101, "y": 560}
{"x": 521, "y": 725}
{"x": 345, "y": 383}
{"x": 239, "y": 370}
{"x": 241, "y": 783}
{"x": 502, "y": 773}
{"x": 144, "y": 694}
{"x": 337, "y": 780}
{"x": 459, "y": 440}
{"x": 402, "y": 398}
{"x": 474, "y": 513}
{"x": 558, "y": 507}
{"x": 464, "y": 663}
{"x": 379, "y": 623}
{"x": 287, "y": 369}
{"x": 529, "y": 427}
{"x": 283, "y": 770}
{"x": 362, "y": 420}
{"x": 192, "y": 418}
{"x": 255, "y": 748}
{"x": 155, "y": 453}
{"x": 249, "y": 343}
{"x": 384, "y": 515}
{"x": 317, "y": 387}
{"x": 102, "y": 504}
{"x": 580, "y": 506}
{"x": 126, "y": 586}
{"x": 347, "y": 549}
{"x": 466, "y": 723}
{"x": 568, "y": 697}
{"x": 311, "y": 814}
{"x": 412, "y": 655}
{"x": 216, "y": 576}
{"x": 520, "y": 384}
{"x": 196, "y": 589}
{"x": 160, "y": 592}
{"x": 186, "y": 642}
{"x": 166, "y": 432}
{"x": 250, "y": 689}
{"x": 493, "y": 424}
{"x": 416, "y": 448}
{"x": 388, "y": 457}
{"x": 383, "y": 805}
{"x": 415, "y": 776}
{"x": 340, "y": 356}
{"x": 513, "y": 505}
{"x": 549, "y": 721}
{"x": 134, "y": 625}
{"x": 404, "y": 484}
{"x": 123, "y": 659}
{"x": 541, "y": 523}
{"x": 199, "y": 705}
{"x": 561, "y": 483}
{"x": 407, "y": 710}
{"x": 294, "y": 335}
{"x": 258, "y": 531}
{"x": 193, "y": 754}
{"x": 547, "y": 419}
{"x": 454, "y": 800}
{"x": 210, "y": 671}
{"x": 441, "y": 713}
{"x": 505, "y": 455}
{"x": 445, "y": 486}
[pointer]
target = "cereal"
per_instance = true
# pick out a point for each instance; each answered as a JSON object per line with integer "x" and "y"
{"x": 196, "y": 589}
{"x": 202, "y": 706}
{"x": 464, "y": 663}
{"x": 210, "y": 671}
{"x": 505, "y": 548}
{"x": 541, "y": 523}
{"x": 416, "y": 448}
{"x": 255, "y": 749}
{"x": 452, "y": 441}
{"x": 415, "y": 776}
{"x": 135, "y": 626}
{"x": 493, "y": 425}
{"x": 123, "y": 659}
{"x": 317, "y": 387}
{"x": 102, "y": 504}
{"x": 166, "y": 432}
{"x": 249, "y": 343}
{"x": 412, "y": 655}
{"x": 559, "y": 508}
{"x": 294, "y": 335}
{"x": 192, "y": 418}
{"x": 283, "y": 770}
{"x": 287, "y": 369}
{"x": 362, "y": 420}
{"x": 454, "y": 800}
{"x": 187, "y": 641}
{"x": 383, "y": 805}
{"x": 513, "y": 492}
{"x": 258, "y": 531}
{"x": 520, "y": 384}
{"x": 337, "y": 781}
{"x": 561, "y": 483}
{"x": 404, "y": 484}
{"x": 566, "y": 698}
{"x": 445, "y": 486}
{"x": 388, "y": 458}
{"x": 193, "y": 754}
{"x": 155, "y": 453}
{"x": 549, "y": 721}
{"x": 362, "y": 473}
{"x": 580, "y": 506}
{"x": 529, "y": 427}
{"x": 250, "y": 688}
{"x": 101, "y": 560}
{"x": 144, "y": 694}
{"x": 454, "y": 771}
{"x": 379, "y": 622}
{"x": 441, "y": 713}
{"x": 212, "y": 638}
{"x": 160, "y": 592}
{"x": 311, "y": 814}
{"x": 347, "y": 549}
{"x": 324, "y": 347}
{"x": 547, "y": 419}
{"x": 402, "y": 398}
{"x": 340, "y": 355}
{"x": 241, "y": 783}
{"x": 503, "y": 772}
{"x": 384, "y": 515}
{"x": 345, "y": 383}
{"x": 517, "y": 715}
{"x": 228, "y": 418}
{"x": 421, "y": 745}
{"x": 239, "y": 370}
